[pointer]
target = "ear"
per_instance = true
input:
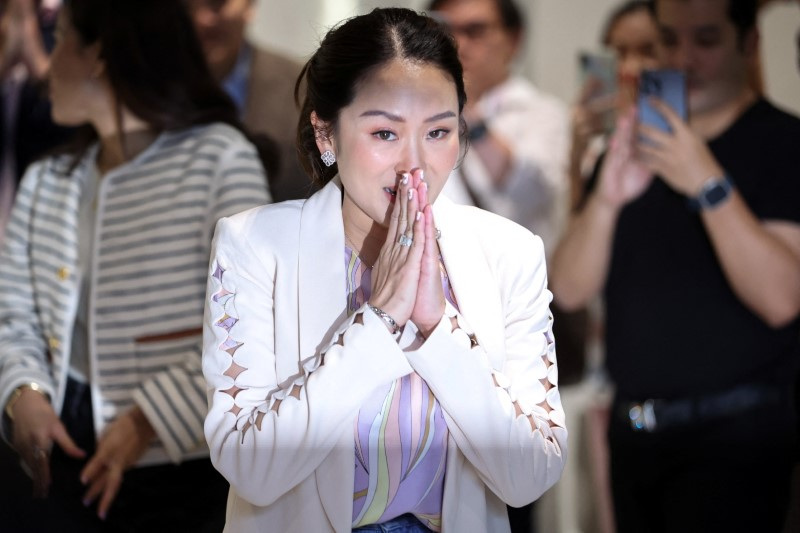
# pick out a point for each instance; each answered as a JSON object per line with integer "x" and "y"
{"x": 93, "y": 51}
{"x": 751, "y": 42}
{"x": 322, "y": 133}
{"x": 516, "y": 43}
{"x": 250, "y": 12}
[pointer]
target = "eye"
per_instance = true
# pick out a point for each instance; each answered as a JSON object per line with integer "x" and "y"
{"x": 669, "y": 39}
{"x": 385, "y": 135}
{"x": 441, "y": 133}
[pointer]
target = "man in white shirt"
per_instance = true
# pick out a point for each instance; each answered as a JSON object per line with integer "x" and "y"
{"x": 516, "y": 163}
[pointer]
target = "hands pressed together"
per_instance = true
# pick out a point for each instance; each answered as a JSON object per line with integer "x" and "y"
{"x": 406, "y": 278}
{"x": 21, "y": 39}
{"x": 37, "y": 428}
{"x": 638, "y": 152}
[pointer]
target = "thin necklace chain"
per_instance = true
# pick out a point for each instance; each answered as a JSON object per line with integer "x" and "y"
{"x": 356, "y": 251}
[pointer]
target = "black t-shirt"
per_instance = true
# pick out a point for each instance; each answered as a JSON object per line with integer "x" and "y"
{"x": 674, "y": 326}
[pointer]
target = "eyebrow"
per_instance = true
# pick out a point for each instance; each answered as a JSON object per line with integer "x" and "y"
{"x": 397, "y": 118}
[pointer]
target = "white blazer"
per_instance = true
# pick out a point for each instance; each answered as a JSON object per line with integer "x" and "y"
{"x": 287, "y": 370}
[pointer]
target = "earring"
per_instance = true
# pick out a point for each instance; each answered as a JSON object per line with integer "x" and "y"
{"x": 328, "y": 158}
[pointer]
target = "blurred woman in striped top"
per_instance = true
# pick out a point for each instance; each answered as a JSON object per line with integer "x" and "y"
{"x": 102, "y": 275}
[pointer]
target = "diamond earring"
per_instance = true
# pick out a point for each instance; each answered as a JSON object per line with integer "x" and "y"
{"x": 328, "y": 158}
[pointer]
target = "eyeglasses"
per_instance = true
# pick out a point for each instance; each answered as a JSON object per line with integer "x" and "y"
{"x": 473, "y": 31}
{"x": 213, "y": 5}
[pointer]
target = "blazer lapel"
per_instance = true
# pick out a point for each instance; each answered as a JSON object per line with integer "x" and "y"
{"x": 322, "y": 306}
{"x": 472, "y": 280}
{"x": 321, "y": 270}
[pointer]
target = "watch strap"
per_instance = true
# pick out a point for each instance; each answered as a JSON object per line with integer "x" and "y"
{"x": 477, "y": 131}
{"x": 714, "y": 192}
{"x": 16, "y": 393}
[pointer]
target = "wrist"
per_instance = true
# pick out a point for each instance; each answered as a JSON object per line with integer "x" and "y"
{"x": 715, "y": 191}
{"x": 387, "y": 319}
{"x": 477, "y": 131}
{"x": 143, "y": 426}
{"x": 427, "y": 330}
{"x": 17, "y": 393}
{"x": 604, "y": 205}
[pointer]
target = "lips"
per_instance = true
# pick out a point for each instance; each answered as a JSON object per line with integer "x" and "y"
{"x": 390, "y": 193}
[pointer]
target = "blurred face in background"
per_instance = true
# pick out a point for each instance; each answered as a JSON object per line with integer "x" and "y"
{"x": 701, "y": 40}
{"x": 485, "y": 47}
{"x": 220, "y": 26}
{"x": 78, "y": 86}
{"x": 635, "y": 41}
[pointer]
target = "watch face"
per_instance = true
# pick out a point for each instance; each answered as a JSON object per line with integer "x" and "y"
{"x": 716, "y": 194}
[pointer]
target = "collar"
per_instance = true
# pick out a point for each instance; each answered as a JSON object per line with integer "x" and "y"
{"x": 236, "y": 84}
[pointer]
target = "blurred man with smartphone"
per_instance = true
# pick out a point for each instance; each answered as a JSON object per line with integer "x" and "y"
{"x": 693, "y": 234}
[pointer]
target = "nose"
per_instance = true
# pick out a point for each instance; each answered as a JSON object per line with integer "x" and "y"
{"x": 411, "y": 156}
{"x": 681, "y": 56}
{"x": 204, "y": 16}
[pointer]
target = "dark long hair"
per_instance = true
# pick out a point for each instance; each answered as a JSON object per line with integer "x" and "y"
{"x": 622, "y": 11}
{"x": 155, "y": 66}
{"x": 352, "y": 51}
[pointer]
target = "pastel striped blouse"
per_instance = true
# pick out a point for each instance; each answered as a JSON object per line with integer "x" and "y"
{"x": 400, "y": 437}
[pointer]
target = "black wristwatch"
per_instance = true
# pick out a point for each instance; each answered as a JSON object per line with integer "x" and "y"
{"x": 714, "y": 192}
{"x": 477, "y": 131}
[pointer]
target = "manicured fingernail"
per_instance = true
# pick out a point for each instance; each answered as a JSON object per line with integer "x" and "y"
{"x": 419, "y": 215}
{"x": 411, "y": 194}
{"x": 102, "y": 515}
{"x": 87, "y": 502}
{"x": 421, "y": 174}
{"x": 404, "y": 179}
{"x": 425, "y": 184}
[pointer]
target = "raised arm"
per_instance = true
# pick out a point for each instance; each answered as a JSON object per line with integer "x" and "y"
{"x": 581, "y": 260}
{"x": 760, "y": 258}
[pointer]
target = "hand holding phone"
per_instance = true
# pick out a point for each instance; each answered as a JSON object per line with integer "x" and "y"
{"x": 666, "y": 85}
{"x": 598, "y": 76}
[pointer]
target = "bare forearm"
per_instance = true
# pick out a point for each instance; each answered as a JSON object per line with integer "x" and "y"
{"x": 581, "y": 260}
{"x": 495, "y": 156}
{"x": 761, "y": 260}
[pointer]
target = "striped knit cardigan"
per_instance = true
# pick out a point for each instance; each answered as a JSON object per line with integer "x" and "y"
{"x": 154, "y": 222}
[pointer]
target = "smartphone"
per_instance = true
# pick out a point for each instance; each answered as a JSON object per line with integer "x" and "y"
{"x": 599, "y": 71}
{"x": 599, "y": 67}
{"x": 666, "y": 85}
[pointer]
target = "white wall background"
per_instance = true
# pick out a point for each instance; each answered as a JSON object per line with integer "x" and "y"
{"x": 557, "y": 30}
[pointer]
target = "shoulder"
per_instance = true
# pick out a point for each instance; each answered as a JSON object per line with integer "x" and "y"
{"x": 198, "y": 145}
{"x": 60, "y": 167}
{"x": 264, "y": 57}
{"x": 214, "y": 134}
{"x": 763, "y": 124}
{"x": 768, "y": 112}
{"x": 272, "y": 226}
{"x": 497, "y": 235}
{"x": 519, "y": 89}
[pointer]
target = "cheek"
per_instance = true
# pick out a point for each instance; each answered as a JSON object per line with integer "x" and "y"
{"x": 443, "y": 164}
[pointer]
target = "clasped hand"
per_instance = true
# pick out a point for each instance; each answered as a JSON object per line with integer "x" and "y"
{"x": 21, "y": 40}
{"x": 37, "y": 427}
{"x": 406, "y": 279}
{"x": 638, "y": 152}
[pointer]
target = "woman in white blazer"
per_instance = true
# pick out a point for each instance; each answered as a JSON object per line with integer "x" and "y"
{"x": 372, "y": 359}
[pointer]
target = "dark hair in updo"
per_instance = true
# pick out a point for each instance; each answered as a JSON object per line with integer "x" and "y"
{"x": 353, "y": 50}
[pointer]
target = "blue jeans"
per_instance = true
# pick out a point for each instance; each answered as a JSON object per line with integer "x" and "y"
{"x": 407, "y": 523}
